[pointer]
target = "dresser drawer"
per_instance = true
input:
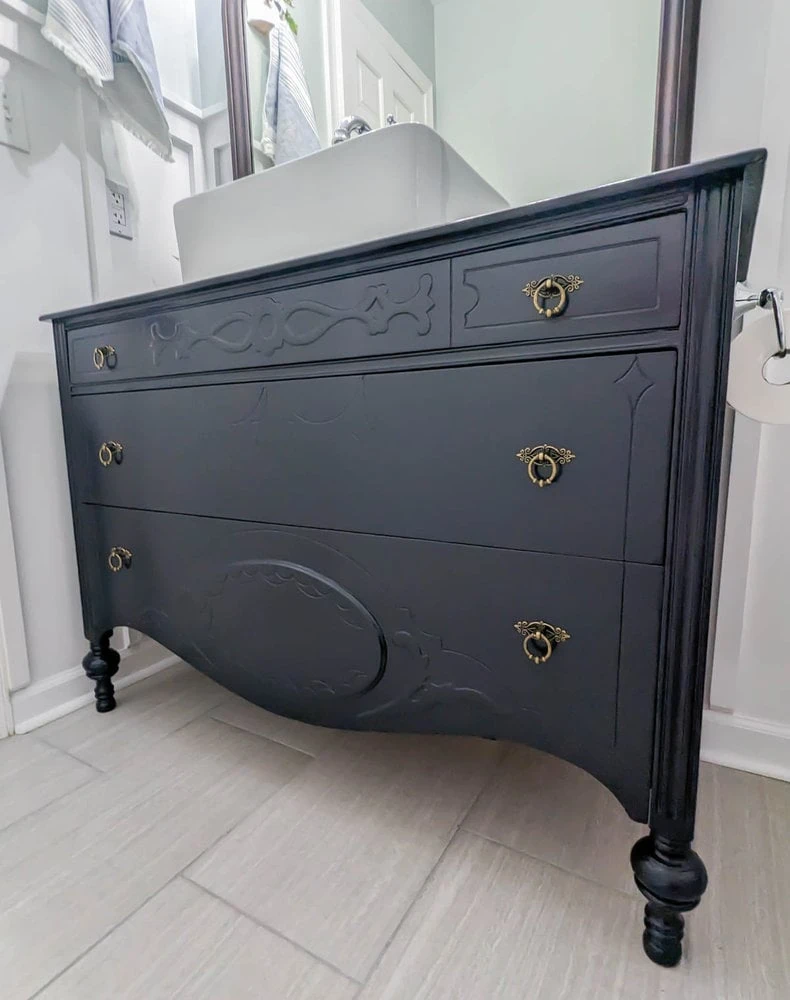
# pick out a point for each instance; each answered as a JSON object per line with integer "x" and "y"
{"x": 625, "y": 277}
{"x": 454, "y": 464}
{"x": 372, "y": 632}
{"x": 387, "y": 312}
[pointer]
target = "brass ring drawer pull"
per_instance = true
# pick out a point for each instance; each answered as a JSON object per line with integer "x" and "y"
{"x": 119, "y": 559}
{"x": 104, "y": 356}
{"x": 110, "y": 452}
{"x": 540, "y": 639}
{"x": 544, "y": 457}
{"x": 555, "y": 286}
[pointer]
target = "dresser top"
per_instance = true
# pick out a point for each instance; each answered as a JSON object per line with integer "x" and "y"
{"x": 487, "y": 228}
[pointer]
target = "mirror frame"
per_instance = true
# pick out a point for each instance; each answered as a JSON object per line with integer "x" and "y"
{"x": 674, "y": 111}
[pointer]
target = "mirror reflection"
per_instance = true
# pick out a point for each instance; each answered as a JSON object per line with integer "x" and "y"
{"x": 190, "y": 55}
{"x": 539, "y": 99}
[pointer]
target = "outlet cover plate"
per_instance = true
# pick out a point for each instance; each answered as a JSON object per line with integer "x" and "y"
{"x": 118, "y": 210}
{"x": 13, "y": 127}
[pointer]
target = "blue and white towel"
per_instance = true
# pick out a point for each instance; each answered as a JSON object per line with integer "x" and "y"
{"x": 289, "y": 127}
{"x": 110, "y": 43}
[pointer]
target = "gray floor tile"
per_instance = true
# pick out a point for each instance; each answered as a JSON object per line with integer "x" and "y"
{"x": 335, "y": 859}
{"x": 740, "y": 935}
{"x": 238, "y": 712}
{"x": 186, "y": 945}
{"x": 496, "y": 924}
{"x": 146, "y": 712}
{"x": 547, "y": 808}
{"x": 338, "y": 857}
{"x": 33, "y": 775}
{"x": 75, "y": 869}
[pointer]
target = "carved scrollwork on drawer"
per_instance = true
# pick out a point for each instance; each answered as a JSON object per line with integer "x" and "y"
{"x": 318, "y": 641}
{"x": 299, "y": 323}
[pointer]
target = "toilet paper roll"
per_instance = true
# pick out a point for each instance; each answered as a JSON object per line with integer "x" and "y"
{"x": 751, "y": 356}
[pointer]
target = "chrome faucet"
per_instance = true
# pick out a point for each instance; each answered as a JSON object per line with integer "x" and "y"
{"x": 351, "y": 126}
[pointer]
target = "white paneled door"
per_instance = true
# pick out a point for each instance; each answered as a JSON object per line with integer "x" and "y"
{"x": 371, "y": 73}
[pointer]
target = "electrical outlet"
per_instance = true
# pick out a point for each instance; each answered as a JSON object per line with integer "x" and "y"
{"x": 118, "y": 208}
{"x": 13, "y": 127}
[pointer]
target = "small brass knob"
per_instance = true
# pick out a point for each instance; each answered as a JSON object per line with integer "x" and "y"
{"x": 110, "y": 451}
{"x": 104, "y": 355}
{"x": 119, "y": 559}
{"x": 555, "y": 286}
{"x": 540, "y": 639}
{"x": 544, "y": 457}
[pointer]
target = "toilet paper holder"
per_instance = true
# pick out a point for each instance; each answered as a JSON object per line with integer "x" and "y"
{"x": 747, "y": 298}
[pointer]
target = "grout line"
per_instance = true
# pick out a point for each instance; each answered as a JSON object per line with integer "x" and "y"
{"x": 246, "y": 816}
{"x": 258, "y": 736}
{"x": 130, "y": 761}
{"x": 104, "y": 936}
{"x": 179, "y": 874}
{"x": 272, "y": 930}
{"x": 46, "y": 805}
{"x": 69, "y": 753}
{"x": 249, "y": 732}
{"x": 59, "y": 799}
{"x": 550, "y": 864}
{"x": 407, "y": 912}
{"x": 422, "y": 889}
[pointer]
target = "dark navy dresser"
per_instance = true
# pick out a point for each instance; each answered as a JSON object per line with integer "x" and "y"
{"x": 463, "y": 481}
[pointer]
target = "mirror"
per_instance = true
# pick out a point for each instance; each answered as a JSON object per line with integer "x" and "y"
{"x": 540, "y": 98}
{"x": 187, "y": 41}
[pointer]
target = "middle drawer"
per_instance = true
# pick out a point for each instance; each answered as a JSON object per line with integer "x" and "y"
{"x": 566, "y": 456}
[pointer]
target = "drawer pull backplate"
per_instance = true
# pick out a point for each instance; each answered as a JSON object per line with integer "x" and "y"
{"x": 104, "y": 355}
{"x": 544, "y": 457}
{"x": 556, "y": 286}
{"x": 110, "y": 451}
{"x": 119, "y": 558}
{"x": 540, "y": 639}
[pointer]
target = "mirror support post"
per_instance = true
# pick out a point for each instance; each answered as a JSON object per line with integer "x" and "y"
{"x": 233, "y": 33}
{"x": 677, "y": 76}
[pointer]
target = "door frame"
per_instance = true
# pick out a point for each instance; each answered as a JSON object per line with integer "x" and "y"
{"x": 332, "y": 15}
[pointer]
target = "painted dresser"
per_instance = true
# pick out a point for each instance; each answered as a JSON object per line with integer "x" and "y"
{"x": 463, "y": 481}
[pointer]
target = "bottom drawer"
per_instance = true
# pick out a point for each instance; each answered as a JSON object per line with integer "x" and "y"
{"x": 373, "y": 632}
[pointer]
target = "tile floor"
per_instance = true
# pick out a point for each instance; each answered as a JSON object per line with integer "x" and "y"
{"x": 193, "y": 846}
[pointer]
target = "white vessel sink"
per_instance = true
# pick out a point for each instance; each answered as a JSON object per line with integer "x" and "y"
{"x": 392, "y": 180}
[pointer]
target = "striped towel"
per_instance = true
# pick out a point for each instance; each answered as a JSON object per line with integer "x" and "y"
{"x": 110, "y": 43}
{"x": 289, "y": 128}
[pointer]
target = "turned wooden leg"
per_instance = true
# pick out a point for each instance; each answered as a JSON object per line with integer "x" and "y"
{"x": 101, "y": 665}
{"x": 673, "y": 878}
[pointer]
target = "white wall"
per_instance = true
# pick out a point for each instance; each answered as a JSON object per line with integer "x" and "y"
{"x": 543, "y": 99}
{"x": 56, "y": 252}
{"x": 211, "y": 54}
{"x": 174, "y": 34}
{"x": 743, "y": 83}
{"x": 411, "y": 24}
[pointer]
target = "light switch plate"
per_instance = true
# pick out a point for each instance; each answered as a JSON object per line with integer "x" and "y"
{"x": 13, "y": 127}
{"x": 118, "y": 207}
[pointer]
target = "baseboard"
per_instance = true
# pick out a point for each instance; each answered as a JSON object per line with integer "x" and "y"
{"x": 746, "y": 744}
{"x": 65, "y": 692}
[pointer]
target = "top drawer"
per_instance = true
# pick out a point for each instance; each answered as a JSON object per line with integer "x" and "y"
{"x": 626, "y": 277}
{"x": 389, "y": 312}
